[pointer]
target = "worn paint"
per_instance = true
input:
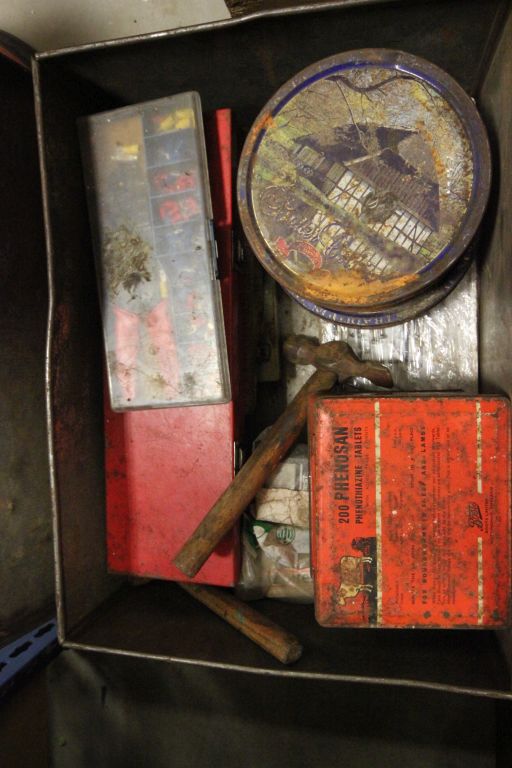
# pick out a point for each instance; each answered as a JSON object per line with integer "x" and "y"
{"x": 335, "y": 361}
{"x": 411, "y": 511}
{"x": 396, "y": 313}
{"x": 357, "y": 178}
{"x": 281, "y": 644}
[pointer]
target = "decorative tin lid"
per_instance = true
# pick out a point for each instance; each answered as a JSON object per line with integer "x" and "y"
{"x": 364, "y": 179}
{"x": 384, "y": 316}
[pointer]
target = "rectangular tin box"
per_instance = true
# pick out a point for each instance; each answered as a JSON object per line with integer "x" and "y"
{"x": 410, "y": 511}
{"x": 240, "y": 64}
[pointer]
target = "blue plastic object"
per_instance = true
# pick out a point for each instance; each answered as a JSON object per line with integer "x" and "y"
{"x": 16, "y": 657}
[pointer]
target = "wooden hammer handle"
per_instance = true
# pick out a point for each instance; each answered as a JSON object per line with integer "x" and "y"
{"x": 272, "y": 449}
{"x": 281, "y": 644}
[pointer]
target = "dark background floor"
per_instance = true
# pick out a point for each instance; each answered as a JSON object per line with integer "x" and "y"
{"x": 108, "y": 711}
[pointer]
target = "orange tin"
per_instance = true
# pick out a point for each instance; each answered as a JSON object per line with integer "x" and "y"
{"x": 410, "y": 504}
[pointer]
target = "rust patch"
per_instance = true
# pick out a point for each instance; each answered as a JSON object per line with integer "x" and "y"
{"x": 363, "y": 178}
{"x": 411, "y": 511}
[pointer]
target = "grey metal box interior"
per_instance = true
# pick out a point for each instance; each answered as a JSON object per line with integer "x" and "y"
{"x": 26, "y": 569}
{"x": 240, "y": 64}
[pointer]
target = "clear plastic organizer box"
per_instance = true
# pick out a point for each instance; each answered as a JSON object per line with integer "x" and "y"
{"x": 150, "y": 212}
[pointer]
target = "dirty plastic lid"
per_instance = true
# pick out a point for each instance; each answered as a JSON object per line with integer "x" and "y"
{"x": 364, "y": 179}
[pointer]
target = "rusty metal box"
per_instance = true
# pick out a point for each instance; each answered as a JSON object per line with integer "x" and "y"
{"x": 239, "y": 64}
{"x": 411, "y": 511}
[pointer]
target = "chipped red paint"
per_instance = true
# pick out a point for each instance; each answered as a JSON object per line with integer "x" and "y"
{"x": 411, "y": 511}
{"x": 311, "y": 252}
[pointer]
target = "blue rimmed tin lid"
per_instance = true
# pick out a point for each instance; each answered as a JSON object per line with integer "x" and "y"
{"x": 384, "y": 316}
{"x": 364, "y": 179}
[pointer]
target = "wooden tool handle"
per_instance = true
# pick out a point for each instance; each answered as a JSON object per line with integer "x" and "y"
{"x": 271, "y": 637}
{"x": 272, "y": 449}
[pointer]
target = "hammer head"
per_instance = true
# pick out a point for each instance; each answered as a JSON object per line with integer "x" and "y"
{"x": 337, "y": 357}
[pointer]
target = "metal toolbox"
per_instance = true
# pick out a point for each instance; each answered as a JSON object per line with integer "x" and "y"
{"x": 240, "y": 64}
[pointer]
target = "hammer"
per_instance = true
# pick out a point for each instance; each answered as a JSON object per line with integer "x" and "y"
{"x": 270, "y": 636}
{"x": 335, "y": 361}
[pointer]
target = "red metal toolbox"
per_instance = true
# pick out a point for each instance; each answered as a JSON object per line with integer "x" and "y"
{"x": 166, "y": 467}
{"x": 411, "y": 511}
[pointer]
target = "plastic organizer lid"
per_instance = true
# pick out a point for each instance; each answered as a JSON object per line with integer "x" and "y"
{"x": 150, "y": 210}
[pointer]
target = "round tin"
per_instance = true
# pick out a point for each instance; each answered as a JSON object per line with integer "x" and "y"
{"x": 364, "y": 179}
{"x": 397, "y": 313}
